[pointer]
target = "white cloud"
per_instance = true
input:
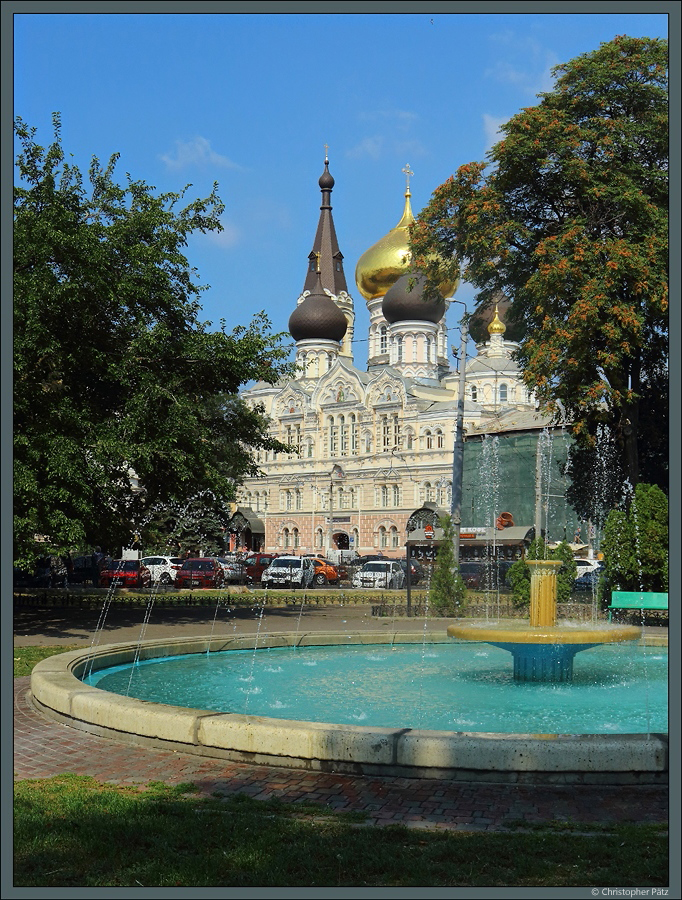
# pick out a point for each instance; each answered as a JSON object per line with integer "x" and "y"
{"x": 227, "y": 238}
{"x": 531, "y": 70}
{"x": 491, "y": 126}
{"x": 197, "y": 152}
{"x": 369, "y": 146}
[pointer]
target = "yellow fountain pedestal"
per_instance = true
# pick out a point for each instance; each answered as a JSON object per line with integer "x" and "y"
{"x": 543, "y": 650}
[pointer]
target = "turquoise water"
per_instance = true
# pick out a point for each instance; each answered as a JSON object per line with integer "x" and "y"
{"x": 616, "y": 689}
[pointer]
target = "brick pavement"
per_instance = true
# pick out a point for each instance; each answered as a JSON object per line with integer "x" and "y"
{"x": 43, "y": 748}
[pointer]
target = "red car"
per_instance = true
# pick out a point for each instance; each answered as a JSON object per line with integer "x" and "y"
{"x": 126, "y": 573}
{"x": 205, "y": 572}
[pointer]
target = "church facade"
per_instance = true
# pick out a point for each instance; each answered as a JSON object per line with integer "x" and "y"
{"x": 370, "y": 446}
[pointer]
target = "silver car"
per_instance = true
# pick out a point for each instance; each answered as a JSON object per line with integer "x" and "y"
{"x": 386, "y": 574}
{"x": 289, "y": 571}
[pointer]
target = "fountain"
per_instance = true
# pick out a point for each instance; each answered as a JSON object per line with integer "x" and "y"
{"x": 543, "y": 650}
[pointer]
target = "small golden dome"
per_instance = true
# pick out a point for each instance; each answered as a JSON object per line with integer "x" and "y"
{"x": 381, "y": 266}
{"x": 497, "y": 326}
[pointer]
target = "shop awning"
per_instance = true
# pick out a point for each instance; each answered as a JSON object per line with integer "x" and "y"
{"x": 245, "y": 518}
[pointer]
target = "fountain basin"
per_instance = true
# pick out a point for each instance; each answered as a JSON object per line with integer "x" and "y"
{"x": 468, "y": 756}
{"x": 544, "y": 652}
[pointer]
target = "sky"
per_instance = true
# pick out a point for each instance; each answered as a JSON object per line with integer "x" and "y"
{"x": 251, "y": 100}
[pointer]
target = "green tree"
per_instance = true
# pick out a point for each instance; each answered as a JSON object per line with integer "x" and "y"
{"x": 447, "y": 591}
{"x": 635, "y": 542}
{"x": 114, "y": 372}
{"x": 570, "y": 222}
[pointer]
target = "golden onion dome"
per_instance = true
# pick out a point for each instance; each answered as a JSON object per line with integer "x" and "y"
{"x": 497, "y": 326}
{"x": 382, "y": 265}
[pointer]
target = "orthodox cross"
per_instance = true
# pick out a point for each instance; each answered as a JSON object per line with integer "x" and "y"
{"x": 326, "y": 154}
{"x": 407, "y": 171}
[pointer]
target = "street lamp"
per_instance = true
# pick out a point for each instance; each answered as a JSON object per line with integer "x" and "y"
{"x": 458, "y": 455}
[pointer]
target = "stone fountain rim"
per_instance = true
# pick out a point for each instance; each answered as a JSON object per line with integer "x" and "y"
{"x": 57, "y": 691}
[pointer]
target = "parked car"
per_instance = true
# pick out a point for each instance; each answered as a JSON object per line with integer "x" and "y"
{"x": 325, "y": 572}
{"x": 233, "y": 569}
{"x": 386, "y": 573}
{"x": 126, "y": 573}
{"x": 589, "y": 581}
{"x": 256, "y": 564}
{"x": 340, "y": 568}
{"x": 485, "y": 575}
{"x": 163, "y": 568}
{"x": 585, "y": 566}
{"x": 204, "y": 572}
{"x": 417, "y": 572}
{"x": 289, "y": 571}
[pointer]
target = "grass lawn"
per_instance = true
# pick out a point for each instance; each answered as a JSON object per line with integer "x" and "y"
{"x": 71, "y": 831}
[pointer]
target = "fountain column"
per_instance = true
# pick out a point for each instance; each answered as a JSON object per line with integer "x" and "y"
{"x": 543, "y": 590}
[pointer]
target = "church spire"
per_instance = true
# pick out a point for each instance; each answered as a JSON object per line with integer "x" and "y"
{"x": 325, "y": 252}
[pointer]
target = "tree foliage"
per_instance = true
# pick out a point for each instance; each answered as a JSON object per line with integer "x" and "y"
{"x": 569, "y": 220}
{"x": 447, "y": 591}
{"x": 114, "y": 371}
{"x": 635, "y": 542}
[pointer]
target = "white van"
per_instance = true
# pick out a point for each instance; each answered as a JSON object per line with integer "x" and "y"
{"x": 289, "y": 571}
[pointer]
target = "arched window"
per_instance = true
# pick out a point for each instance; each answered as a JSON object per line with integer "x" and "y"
{"x": 383, "y": 537}
{"x": 428, "y": 492}
{"x": 440, "y": 441}
{"x": 428, "y": 350}
{"x": 474, "y": 393}
{"x": 384, "y": 495}
{"x": 383, "y": 339}
{"x": 503, "y": 393}
{"x": 409, "y": 439}
{"x": 310, "y": 448}
{"x": 343, "y": 433}
{"x": 333, "y": 436}
{"x": 429, "y": 440}
{"x": 353, "y": 434}
{"x": 299, "y": 498}
{"x": 399, "y": 343}
{"x": 290, "y": 500}
{"x": 286, "y": 538}
{"x": 396, "y": 495}
{"x": 394, "y": 537}
{"x": 385, "y": 433}
{"x": 319, "y": 538}
{"x": 297, "y": 538}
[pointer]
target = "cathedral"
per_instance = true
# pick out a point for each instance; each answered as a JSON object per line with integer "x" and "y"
{"x": 371, "y": 446}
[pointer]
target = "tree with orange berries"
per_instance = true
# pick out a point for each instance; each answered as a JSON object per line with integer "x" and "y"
{"x": 568, "y": 218}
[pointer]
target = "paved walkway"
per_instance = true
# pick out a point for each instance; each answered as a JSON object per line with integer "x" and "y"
{"x": 43, "y": 748}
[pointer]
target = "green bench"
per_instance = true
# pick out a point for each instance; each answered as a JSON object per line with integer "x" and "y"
{"x": 638, "y": 600}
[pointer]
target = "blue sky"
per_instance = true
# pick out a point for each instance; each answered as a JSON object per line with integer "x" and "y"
{"x": 250, "y": 101}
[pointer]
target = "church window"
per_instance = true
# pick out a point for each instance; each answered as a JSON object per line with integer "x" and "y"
{"x": 384, "y": 495}
{"x": 394, "y": 537}
{"x": 353, "y": 435}
{"x": 429, "y": 440}
{"x": 396, "y": 431}
{"x": 297, "y": 538}
{"x": 396, "y": 495}
{"x": 343, "y": 433}
{"x": 383, "y": 537}
{"x": 428, "y": 350}
{"x": 399, "y": 343}
{"x": 319, "y": 538}
{"x": 333, "y": 436}
{"x": 299, "y": 499}
{"x": 427, "y": 492}
{"x": 474, "y": 393}
{"x": 503, "y": 393}
{"x": 383, "y": 339}
{"x": 385, "y": 433}
{"x": 440, "y": 441}
{"x": 290, "y": 500}
{"x": 285, "y": 538}
{"x": 409, "y": 439}
{"x": 309, "y": 448}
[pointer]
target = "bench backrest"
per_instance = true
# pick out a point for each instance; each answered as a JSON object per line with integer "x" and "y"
{"x": 638, "y": 600}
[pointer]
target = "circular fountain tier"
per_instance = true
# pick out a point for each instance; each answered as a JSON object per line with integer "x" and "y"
{"x": 544, "y": 652}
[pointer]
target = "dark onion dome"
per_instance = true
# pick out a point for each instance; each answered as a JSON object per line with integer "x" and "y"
{"x": 326, "y": 181}
{"x": 402, "y": 304}
{"x": 484, "y": 315}
{"x": 318, "y": 318}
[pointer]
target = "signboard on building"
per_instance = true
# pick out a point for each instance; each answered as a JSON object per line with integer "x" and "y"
{"x": 428, "y": 532}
